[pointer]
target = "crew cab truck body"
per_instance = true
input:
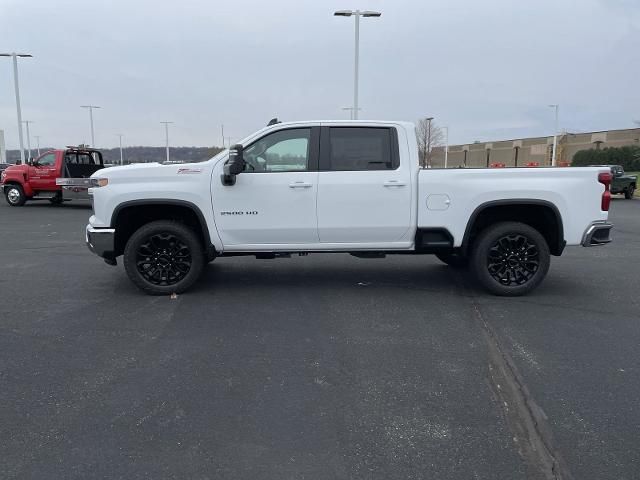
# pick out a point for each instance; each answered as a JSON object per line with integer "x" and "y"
{"x": 342, "y": 186}
{"x": 45, "y": 177}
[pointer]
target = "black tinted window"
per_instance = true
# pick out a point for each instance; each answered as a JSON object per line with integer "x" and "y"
{"x": 360, "y": 149}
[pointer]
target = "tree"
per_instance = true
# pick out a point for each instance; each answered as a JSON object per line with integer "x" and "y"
{"x": 628, "y": 157}
{"x": 429, "y": 135}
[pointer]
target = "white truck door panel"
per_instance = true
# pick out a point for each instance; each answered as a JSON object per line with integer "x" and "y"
{"x": 274, "y": 200}
{"x": 364, "y": 194}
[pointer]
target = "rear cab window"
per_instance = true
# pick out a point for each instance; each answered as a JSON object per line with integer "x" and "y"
{"x": 359, "y": 149}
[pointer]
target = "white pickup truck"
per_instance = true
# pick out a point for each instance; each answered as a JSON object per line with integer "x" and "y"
{"x": 342, "y": 186}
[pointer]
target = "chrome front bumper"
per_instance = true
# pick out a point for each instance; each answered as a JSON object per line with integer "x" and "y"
{"x": 101, "y": 241}
{"x": 598, "y": 233}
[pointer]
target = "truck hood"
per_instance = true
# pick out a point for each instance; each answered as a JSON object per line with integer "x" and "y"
{"x": 152, "y": 170}
{"x": 125, "y": 169}
{"x": 17, "y": 169}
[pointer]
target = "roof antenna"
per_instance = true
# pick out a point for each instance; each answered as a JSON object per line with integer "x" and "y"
{"x": 273, "y": 121}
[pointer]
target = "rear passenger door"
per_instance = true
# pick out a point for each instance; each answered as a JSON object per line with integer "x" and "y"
{"x": 364, "y": 193}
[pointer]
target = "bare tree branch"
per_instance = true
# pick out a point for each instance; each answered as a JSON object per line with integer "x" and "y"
{"x": 429, "y": 136}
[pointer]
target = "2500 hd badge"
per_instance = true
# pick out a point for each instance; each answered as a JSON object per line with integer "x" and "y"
{"x": 240, "y": 212}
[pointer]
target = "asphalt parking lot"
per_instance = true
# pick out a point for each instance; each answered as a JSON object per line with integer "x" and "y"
{"x": 318, "y": 367}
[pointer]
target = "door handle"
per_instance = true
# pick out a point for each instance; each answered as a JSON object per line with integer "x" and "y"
{"x": 300, "y": 185}
{"x": 394, "y": 183}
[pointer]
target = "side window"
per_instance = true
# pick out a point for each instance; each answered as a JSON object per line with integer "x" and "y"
{"x": 85, "y": 159}
{"x": 47, "y": 160}
{"x": 283, "y": 151}
{"x": 358, "y": 148}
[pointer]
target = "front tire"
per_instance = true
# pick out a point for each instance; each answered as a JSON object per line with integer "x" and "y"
{"x": 510, "y": 259}
{"x": 164, "y": 257}
{"x": 15, "y": 195}
{"x": 628, "y": 193}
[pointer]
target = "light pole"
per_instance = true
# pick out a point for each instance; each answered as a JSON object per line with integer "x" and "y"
{"x": 120, "y": 135}
{"x": 351, "y": 110}
{"x": 555, "y": 137}
{"x": 357, "y": 14}
{"x": 222, "y": 128}
{"x": 446, "y": 146}
{"x": 166, "y": 134}
{"x": 91, "y": 107}
{"x": 17, "y": 89}
{"x": 27, "y": 122}
{"x": 37, "y": 137}
{"x": 428, "y": 152}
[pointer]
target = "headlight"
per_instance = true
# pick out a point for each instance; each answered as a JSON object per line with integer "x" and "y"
{"x": 99, "y": 182}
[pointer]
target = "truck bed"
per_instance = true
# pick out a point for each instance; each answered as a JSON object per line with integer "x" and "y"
{"x": 447, "y": 198}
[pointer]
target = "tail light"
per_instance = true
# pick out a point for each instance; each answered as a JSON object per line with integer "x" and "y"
{"x": 605, "y": 179}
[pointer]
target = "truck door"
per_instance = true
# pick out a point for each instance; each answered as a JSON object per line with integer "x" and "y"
{"x": 364, "y": 193}
{"x": 274, "y": 199}
{"x": 43, "y": 173}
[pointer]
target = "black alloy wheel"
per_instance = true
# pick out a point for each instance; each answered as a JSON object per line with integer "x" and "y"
{"x": 164, "y": 257}
{"x": 510, "y": 258}
{"x": 513, "y": 260}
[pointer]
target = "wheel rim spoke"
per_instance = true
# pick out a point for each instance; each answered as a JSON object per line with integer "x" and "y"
{"x": 513, "y": 260}
{"x": 163, "y": 259}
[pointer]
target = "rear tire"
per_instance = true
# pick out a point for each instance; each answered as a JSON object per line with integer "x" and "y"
{"x": 628, "y": 193}
{"x": 15, "y": 195}
{"x": 57, "y": 199}
{"x": 510, "y": 258}
{"x": 164, "y": 257}
{"x": 453, "y": 260}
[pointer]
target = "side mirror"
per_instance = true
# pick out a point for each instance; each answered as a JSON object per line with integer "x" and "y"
{"x": 234, "y": 166}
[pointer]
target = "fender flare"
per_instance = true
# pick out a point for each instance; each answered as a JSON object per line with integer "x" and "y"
{"x": 560, "y": 242}
{"x": 159, "y": 201}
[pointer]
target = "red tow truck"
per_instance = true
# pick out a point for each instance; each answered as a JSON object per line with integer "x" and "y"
{"x": 49, "y": 176}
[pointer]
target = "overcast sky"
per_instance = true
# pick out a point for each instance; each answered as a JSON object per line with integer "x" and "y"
{"x": 487, "y": 69}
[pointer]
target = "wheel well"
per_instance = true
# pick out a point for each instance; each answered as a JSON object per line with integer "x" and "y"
{"x": 542, "y": 216}
{"x": 127, "y": 219}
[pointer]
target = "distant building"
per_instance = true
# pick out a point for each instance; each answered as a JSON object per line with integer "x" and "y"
{"x": 520, "y": 152}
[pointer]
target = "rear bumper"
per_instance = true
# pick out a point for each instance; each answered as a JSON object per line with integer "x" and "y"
{"x": 598, "y": 233}
{"x": 101, "y": 241}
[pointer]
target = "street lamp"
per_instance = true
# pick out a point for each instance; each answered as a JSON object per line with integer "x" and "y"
{"x": 357, "y": 14}
{"x": 121, "y": 156}
{"x": 17, "y": 90}
{"x": 27, "y": 122}
{"x": 446, "y": 146}
{"x": 37, "y": 137}
{"x": 351, "y": 110}
{"x": 555, "y": 137}
{"x": 427, "y": 155}
{"x": 91, "y": 107}
{"x": 166, "y": 134}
